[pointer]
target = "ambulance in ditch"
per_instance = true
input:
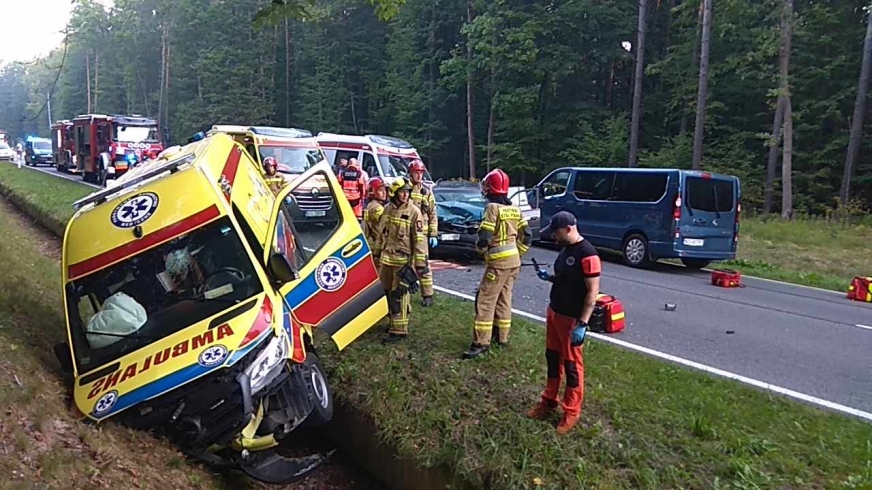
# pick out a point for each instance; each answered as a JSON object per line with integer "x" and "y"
{"x": 192, "y": 296}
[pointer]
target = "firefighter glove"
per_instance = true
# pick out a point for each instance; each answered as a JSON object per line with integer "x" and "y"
{"x": 408, "y": 279}
{"x": 578, "y": 334}
{"x": 433, "y": 242}
{"x": 543, "y": 274}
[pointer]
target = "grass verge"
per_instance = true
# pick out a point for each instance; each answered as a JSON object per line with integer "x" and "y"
{"x": 43, "y": 445}
{"x": 646, "y": 423}
{"x": 808, "y": 251}
{"x": 48, "y": 199}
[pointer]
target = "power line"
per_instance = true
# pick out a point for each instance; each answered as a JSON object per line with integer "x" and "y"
{"x": 53, "y": 85}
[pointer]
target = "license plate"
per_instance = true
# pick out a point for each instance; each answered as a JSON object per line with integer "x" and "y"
{"x": 450, "y": 237}
{"x": 694, "y": 242}
{"x": 315, "y": 214}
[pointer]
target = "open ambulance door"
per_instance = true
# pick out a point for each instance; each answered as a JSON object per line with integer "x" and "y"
{"x": 313, "y": 226}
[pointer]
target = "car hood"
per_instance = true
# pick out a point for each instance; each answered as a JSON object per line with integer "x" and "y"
{"x": 460, "y": 213}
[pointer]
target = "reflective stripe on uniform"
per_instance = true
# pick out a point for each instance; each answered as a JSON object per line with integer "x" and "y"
{"x": 502, "y": 251}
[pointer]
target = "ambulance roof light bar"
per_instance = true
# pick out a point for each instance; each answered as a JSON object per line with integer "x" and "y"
{"x": 100, "y": 197}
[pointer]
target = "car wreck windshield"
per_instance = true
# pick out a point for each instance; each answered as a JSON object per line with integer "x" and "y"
{"x": 158, "y": 292}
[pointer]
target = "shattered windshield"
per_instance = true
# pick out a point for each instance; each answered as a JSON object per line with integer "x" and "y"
{"x": 292, "y": 160}
{"x": 158, "y": 292}
{"x": 135, "y": 134}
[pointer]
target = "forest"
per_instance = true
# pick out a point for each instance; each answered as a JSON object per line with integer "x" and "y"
{"x": 760, "y": 89}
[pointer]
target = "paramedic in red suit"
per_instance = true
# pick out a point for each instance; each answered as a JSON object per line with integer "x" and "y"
{"x": 353, "y": 185}
{"x": 575, "y": 285}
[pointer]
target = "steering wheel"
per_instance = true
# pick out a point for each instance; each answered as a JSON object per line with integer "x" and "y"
{"x": 224, "y": 275}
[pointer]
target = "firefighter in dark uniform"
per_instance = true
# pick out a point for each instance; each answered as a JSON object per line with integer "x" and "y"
{"x": 503, "y": 237}
{"x": 403, "y": 256}
{"x": 372, "y": 222}
{"x": 574, "y": 291}
{"x": 422, "y": 196}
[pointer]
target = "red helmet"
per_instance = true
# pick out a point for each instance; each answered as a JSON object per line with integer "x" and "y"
{"x": 495, "y": 182}
{"x": 270, "y": 162}
{"x": 417, "y": 165}
{"x": 375, "y": 184}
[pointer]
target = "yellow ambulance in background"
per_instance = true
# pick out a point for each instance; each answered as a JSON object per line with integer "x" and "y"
{"x": 192, "y": 294}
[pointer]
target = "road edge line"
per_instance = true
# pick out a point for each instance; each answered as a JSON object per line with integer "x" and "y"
{"x": 695, "y": 365}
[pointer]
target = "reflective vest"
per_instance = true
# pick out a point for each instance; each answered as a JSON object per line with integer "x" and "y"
{"x": 352, "y": 182}
{"x": 503, "y": 236}
{"x": 422, "y": 196}
{"x": 403, "y": 238}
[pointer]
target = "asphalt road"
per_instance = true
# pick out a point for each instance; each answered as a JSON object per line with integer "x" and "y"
{"x": 51, "y": 170}
{"x": 807, "y": 340}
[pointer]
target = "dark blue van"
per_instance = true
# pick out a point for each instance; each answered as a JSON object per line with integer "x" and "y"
{"x": 648, "y": 214}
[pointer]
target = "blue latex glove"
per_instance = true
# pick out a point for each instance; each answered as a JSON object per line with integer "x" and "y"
{"x": 433, "y": 242}
{"x": 543, "y": 274}
{"x": 578, "y": 334}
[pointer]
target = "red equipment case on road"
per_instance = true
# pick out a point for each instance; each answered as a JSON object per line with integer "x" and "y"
{"x": 608, "y": 315}
{"x": 861, "y": 289}
{"x": 726, "y": 278}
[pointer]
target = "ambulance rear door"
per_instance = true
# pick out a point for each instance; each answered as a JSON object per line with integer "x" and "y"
{"x": 314, "y": 229}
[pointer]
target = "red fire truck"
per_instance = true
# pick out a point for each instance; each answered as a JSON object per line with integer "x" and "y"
{"x": 63, "y": 145}
{"x": 107, "y": 146}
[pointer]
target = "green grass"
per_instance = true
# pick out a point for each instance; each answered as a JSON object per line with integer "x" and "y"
{"x": 809, "y": 251}
{"x": 47, "y": 198}
{"x": 43, "y": 445}
{"x": 646, "y": 423}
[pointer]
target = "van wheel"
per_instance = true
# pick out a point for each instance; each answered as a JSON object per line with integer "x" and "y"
{"x": 322, "y": 412}
{"x": 696, "y": 264}
{"x": 635, "y": 251}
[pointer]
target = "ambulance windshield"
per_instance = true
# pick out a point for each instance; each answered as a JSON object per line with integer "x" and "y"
{"x": 292, "y": 160}
{"x": 158, "y": 292}
{"x": 394, "y": 166}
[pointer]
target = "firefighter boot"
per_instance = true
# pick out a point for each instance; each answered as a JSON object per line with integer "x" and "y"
{"x": 427, "y": 301}
{"x": 542, "y": 410}
{"x": 392, "y": 338}
{"x": 475, "y": 350}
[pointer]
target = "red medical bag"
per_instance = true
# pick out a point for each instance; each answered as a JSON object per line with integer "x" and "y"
{"x": 608, "y": 315}
{"x": 726, "y": 278}
{"x": 861, "y": 289}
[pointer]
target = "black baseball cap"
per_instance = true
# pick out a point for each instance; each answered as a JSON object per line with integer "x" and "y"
{"x": 558, "y": 221}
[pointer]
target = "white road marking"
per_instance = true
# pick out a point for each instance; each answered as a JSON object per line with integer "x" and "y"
{"x": 867, "y": 327}
{"x": 695, "y": 365}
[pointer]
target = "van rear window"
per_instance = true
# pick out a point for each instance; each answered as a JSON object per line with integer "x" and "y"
{"x": 710, "y": 195}
{"x": 639, "y": 186}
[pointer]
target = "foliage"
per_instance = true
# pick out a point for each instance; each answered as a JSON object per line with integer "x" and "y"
{"x": 551, "y": 81}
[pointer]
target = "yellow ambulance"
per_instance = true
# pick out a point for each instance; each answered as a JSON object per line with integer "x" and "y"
{"x": 192, "y": 294}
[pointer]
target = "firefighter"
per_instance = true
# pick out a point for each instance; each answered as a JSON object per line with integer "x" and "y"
{"x": 403, "y": 256}
{"x": 273, "y": 179}
{"x": 375, "y": 208}
{"x": 503, "y": 237}
{"x": 422, "y": 196}
{"x": 353, "y": 186}
{"x": 575, "y": 286}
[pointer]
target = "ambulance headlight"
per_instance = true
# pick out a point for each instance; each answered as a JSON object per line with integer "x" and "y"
{"x": 268, "y": 364}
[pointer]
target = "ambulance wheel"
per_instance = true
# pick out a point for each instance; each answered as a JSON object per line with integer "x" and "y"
{"x": 696, "y": 264}
{"x": 635, "y": 251}
{"x": 322, "y": 412}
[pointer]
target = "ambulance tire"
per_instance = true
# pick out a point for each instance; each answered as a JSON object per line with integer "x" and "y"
{"x": 635, "y": 251}
{"x": 696, "y": 264}
{"x": 322, "y": 410}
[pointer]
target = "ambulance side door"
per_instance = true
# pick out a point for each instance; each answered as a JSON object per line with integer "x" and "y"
{"x": 338, "y": 290}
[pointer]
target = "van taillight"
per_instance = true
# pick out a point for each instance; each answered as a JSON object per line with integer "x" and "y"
{"x": 736, "y": 223}
{"x": 676, "y": 209}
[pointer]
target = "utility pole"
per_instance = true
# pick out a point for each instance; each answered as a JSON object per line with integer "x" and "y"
{"x": 48, "y": 106}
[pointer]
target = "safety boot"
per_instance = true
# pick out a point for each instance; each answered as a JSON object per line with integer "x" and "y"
{"x": 427, "y": 301}
{"x": 475, "y": 350}
{"x": 392, "y": 338}
{"x": 566, "y": 424}
{"x": 542, "y": 410}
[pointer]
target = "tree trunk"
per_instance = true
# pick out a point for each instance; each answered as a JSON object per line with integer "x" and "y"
{"x": 784, "y": 75}
{"x": 163, "y": 58}
{"x": 167, "y": 87}
{"x": 694, "y": 60}
{"x": 610, "y": 82}
{"x": 787, "y": 161}
{"x": 775, "y": 142}
{"x": 431, "y": 79}
{"x": 88, "y": 77}
{"x": 699, "y": 127}
{"x": 470, "y": 130}
{"x": 637, "y": 86}
{"x": 287, "y": 74}
{"x": 96, "y": 79}
{"x": 353, "y": 112}
{"x": 491, "y": 120}
{"x": 857, "y": 120}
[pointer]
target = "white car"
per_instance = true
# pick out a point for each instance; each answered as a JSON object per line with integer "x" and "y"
{"x": 6, "y": 153}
